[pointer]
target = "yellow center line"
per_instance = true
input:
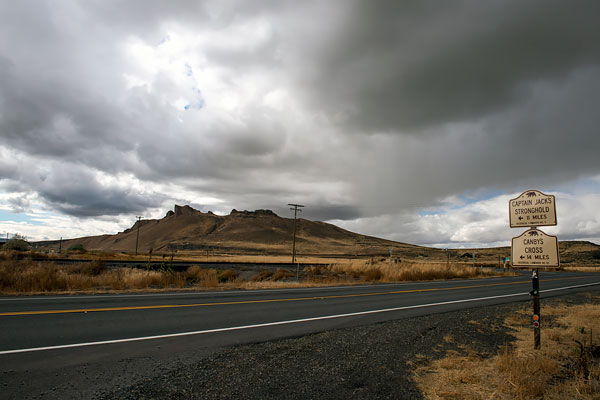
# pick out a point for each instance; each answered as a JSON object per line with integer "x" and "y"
{"x": 86, "y": 310}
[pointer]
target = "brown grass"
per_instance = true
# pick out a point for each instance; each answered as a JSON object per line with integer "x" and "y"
{"x": 27, "y": 276}
{"x": 566, "y": 367}
{"x": 383, "y": 271}
{"x": 227, "y": 275}
{"x": 202, "y": 277}
{"x": 20, "y": 274}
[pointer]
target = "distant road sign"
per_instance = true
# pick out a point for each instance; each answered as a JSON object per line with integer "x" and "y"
{"x": 534, "y": 249}
{"x": 532, "y": 208}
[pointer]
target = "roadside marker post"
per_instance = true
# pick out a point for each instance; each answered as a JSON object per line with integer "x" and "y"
{"x": 535, "y": 294}
{"x": 533, "y": 248}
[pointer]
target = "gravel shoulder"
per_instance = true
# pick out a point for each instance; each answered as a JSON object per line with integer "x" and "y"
{"x": 365, "y": 362}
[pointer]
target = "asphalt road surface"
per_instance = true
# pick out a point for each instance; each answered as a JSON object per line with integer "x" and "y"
{"x": 73, "y": 346}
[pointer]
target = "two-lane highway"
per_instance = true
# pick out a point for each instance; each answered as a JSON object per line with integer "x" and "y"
{"x": 34, "y": 323}
{"x": 55, "y": 333}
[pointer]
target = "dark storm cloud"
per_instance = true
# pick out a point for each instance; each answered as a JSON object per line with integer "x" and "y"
{"x": 51, "y": 81}
{"x": 80, "y": 193}
{"x": 55, "y": 119}
{"x": 81, "y": 202}
{"x": 74, "y": 189}
{"x": 543, "y": 140}
{"x": 497, "y": 95}
{"x": 327, "y": 211}
{"x": 399, "y": 66}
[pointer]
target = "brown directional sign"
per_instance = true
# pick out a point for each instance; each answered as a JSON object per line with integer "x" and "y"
{"x": 532, "y": 208}
{"x": 535, "y": 249}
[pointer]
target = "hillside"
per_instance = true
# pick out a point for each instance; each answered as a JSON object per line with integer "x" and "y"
{"x": 241, "y": 232}
{"x": 188, "y": 231}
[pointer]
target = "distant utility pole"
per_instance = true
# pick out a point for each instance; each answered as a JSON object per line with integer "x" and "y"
{"x": 137, "y": 238}
{"x": 296, "y": 209}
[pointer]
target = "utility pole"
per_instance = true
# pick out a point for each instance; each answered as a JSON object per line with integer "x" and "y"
{"x": 137, "y": 238}
{"x": 296, "y": 209}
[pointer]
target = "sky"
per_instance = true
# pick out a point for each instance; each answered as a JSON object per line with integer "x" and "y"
{"x": 415, "y": 121}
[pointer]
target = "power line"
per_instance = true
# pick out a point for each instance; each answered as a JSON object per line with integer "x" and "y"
{"x": 296, "y": 210}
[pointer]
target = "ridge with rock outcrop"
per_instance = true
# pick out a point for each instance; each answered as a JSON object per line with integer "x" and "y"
{"x": 241, "y": 232}
{"x": 262, "y": 232}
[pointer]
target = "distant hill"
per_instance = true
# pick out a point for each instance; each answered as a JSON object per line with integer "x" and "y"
{"x": 241, "y": 232}
{"x": 572, "y": 252}
{"x": 262, "y": 232}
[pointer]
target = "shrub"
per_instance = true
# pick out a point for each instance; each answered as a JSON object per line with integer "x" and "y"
{"x": 264, "y": 274}
{"x": 202, "y": 277}
{"x": 17, "y": 243}
{"x": 372, "y": 274}
{"x": 281, "y": 274}
{"x": 93, "y": 268}
{"x": 315, "y": 270}
{"x": 77, "y": 248}
{"x": 227, "y": 275}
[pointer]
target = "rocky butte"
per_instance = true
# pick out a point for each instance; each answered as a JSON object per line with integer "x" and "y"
{"x": 241, "y": 232}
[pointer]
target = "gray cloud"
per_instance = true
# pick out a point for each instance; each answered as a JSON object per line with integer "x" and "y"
{"x": 80, "y": 194}
{"x": 74, "y": 189}
{"x": 376, "y": 108}
{"x": 400, "y": 67}
{"x": 19, "y": 204}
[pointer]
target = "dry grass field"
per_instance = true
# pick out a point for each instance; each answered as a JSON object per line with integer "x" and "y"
{"x": 580, "y": 268}
{"x": 410, "y": 270}
{"x": 21, "y": 274}
{"x": 566, "y": 367}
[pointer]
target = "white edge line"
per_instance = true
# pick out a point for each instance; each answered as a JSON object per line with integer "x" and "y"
{"x": 234, "y": 328}
{"x": 171, "y": 335}
{"x": 570, "y": 287}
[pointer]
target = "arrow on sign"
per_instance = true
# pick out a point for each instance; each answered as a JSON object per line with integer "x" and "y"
{"x": 522, "y": 257}
{"x": 520, "y": 218}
